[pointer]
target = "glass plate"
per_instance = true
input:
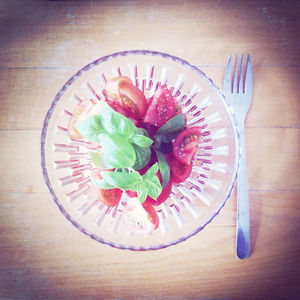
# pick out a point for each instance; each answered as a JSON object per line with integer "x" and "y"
{"x": 193, "y": 204}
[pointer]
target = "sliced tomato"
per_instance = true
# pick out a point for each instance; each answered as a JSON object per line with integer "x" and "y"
{"x": 109, "y": 197}
{"x": 83, "y": 111}
{"x": 139, "y": 218}
{"x": 133, "y": 100}
{"x": 131, "y": 194}
{"x": 152, "y": 214}
{"x": 120, "y": 109}
{"x": 179, "y": 171}
{"x": 112, "y": 86}
{"x": 161, "y": 107}
{"x": 185, "y": 144}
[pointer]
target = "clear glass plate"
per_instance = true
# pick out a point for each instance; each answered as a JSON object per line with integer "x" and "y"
{"x": 193, "y": 204}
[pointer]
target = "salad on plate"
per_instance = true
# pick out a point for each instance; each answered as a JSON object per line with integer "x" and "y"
{"x": 140, "y": 147}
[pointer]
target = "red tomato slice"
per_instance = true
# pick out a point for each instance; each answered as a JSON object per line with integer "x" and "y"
{"x": 112, "y": 86}
{"x": 152, "y": 214}
{"x": 109, "y": 197}
{"x": 161, "y": 107}
{"x": 122, "y": 90}
{"x": 179, "y": 171}
{"x": 134, "y": 100}
{"x": 119, "y": 108}
{"x": 139, "y": 218}
{"x": 83, "y": 111}
{"x": 185, "y": 144}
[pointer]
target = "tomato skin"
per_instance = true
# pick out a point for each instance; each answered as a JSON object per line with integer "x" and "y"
{"x": 83, "y": 111}
{"x": 120, "y": 109}
{"x": 179, "y": 171}
{"x": 109, "y": 197}
{"x": 112, "y": 86}
{"x": 185, "y": 145}
{"x": 152, "y": 214}
{"x": 133, "y": 101}
{"x": 161, "y": 107}
{"x": 131, "y": 194}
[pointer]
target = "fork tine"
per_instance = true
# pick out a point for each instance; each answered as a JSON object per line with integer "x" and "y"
{"x": 227, "y": 78}
{"x": 241, "y": 87}
{"x": 248, "y": 76}
{"x": 235, "y": 79}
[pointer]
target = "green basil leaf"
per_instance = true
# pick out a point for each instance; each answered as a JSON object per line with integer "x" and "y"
{"x": 91, "y": 128}
{"x": 171, "y": 129}
{"x": 122, "y": 180}
{"x": 151, "y": 172}
{"x": 153, "y": 187}
{"x": 100, "y": 161}
{"x": 102, "y": 184}
{"x": 118, "y": 150}
{"x": 115, "y": 123}
{"x": 142, "y": 157}
{"x": 142, "y": 131}
{"x": 141, "y": 140}
{"x": 165, "y": 147}
{"x": 142, "y": 191}
{"x": 164, "y": 167}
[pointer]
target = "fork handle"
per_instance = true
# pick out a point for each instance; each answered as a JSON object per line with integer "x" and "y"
{"x": 243, "y": 226}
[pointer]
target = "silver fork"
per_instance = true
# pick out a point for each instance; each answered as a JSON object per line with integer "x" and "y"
{"x": 237, "y": 89}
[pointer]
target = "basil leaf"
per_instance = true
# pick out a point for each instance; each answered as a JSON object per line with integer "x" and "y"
{"x": 142, "y": 131}
{"x": 114, "y": 122}
{"x": 141, "y": 140}
{"x": 153, "y": 187}
{"x": 142, "y": 157}
{"x": 171, "y": 129}
{"x": 164, "y": 168}
{"x": 102, "y": 184}
{"x": 100, "y": 161}
{"x": 91, "y": 128}
{"x": 142, "y": 191}
{"x": 165, "y": 147}
{"x": 122, "y": 180}
{"x": 151, "y": 172}
{"x": 117, "y": 150}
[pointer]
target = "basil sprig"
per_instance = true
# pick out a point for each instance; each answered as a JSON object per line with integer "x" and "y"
{"x": 124, "y": 145}
{"x": 163, "y": 144}
{"x": 126, "y": 149}
{"x": 144, "y": 185}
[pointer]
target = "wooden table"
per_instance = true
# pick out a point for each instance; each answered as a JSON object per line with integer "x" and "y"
{"x": 43, "y": 43}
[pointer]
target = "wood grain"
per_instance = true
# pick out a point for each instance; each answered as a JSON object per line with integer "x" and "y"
{"x": 43, "y": 43}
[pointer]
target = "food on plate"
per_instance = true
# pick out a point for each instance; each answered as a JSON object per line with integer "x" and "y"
{"x": 140, "y": 218}
{"x": 186, "y": 144}
{"x": 144, "y": 146}
{"x": 83, "y": 111}
{"x": 132, "y": 100}
{"x": 161, "y": 107}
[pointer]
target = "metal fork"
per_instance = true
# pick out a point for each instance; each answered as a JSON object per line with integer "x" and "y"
{"x": 237, "y": 89}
